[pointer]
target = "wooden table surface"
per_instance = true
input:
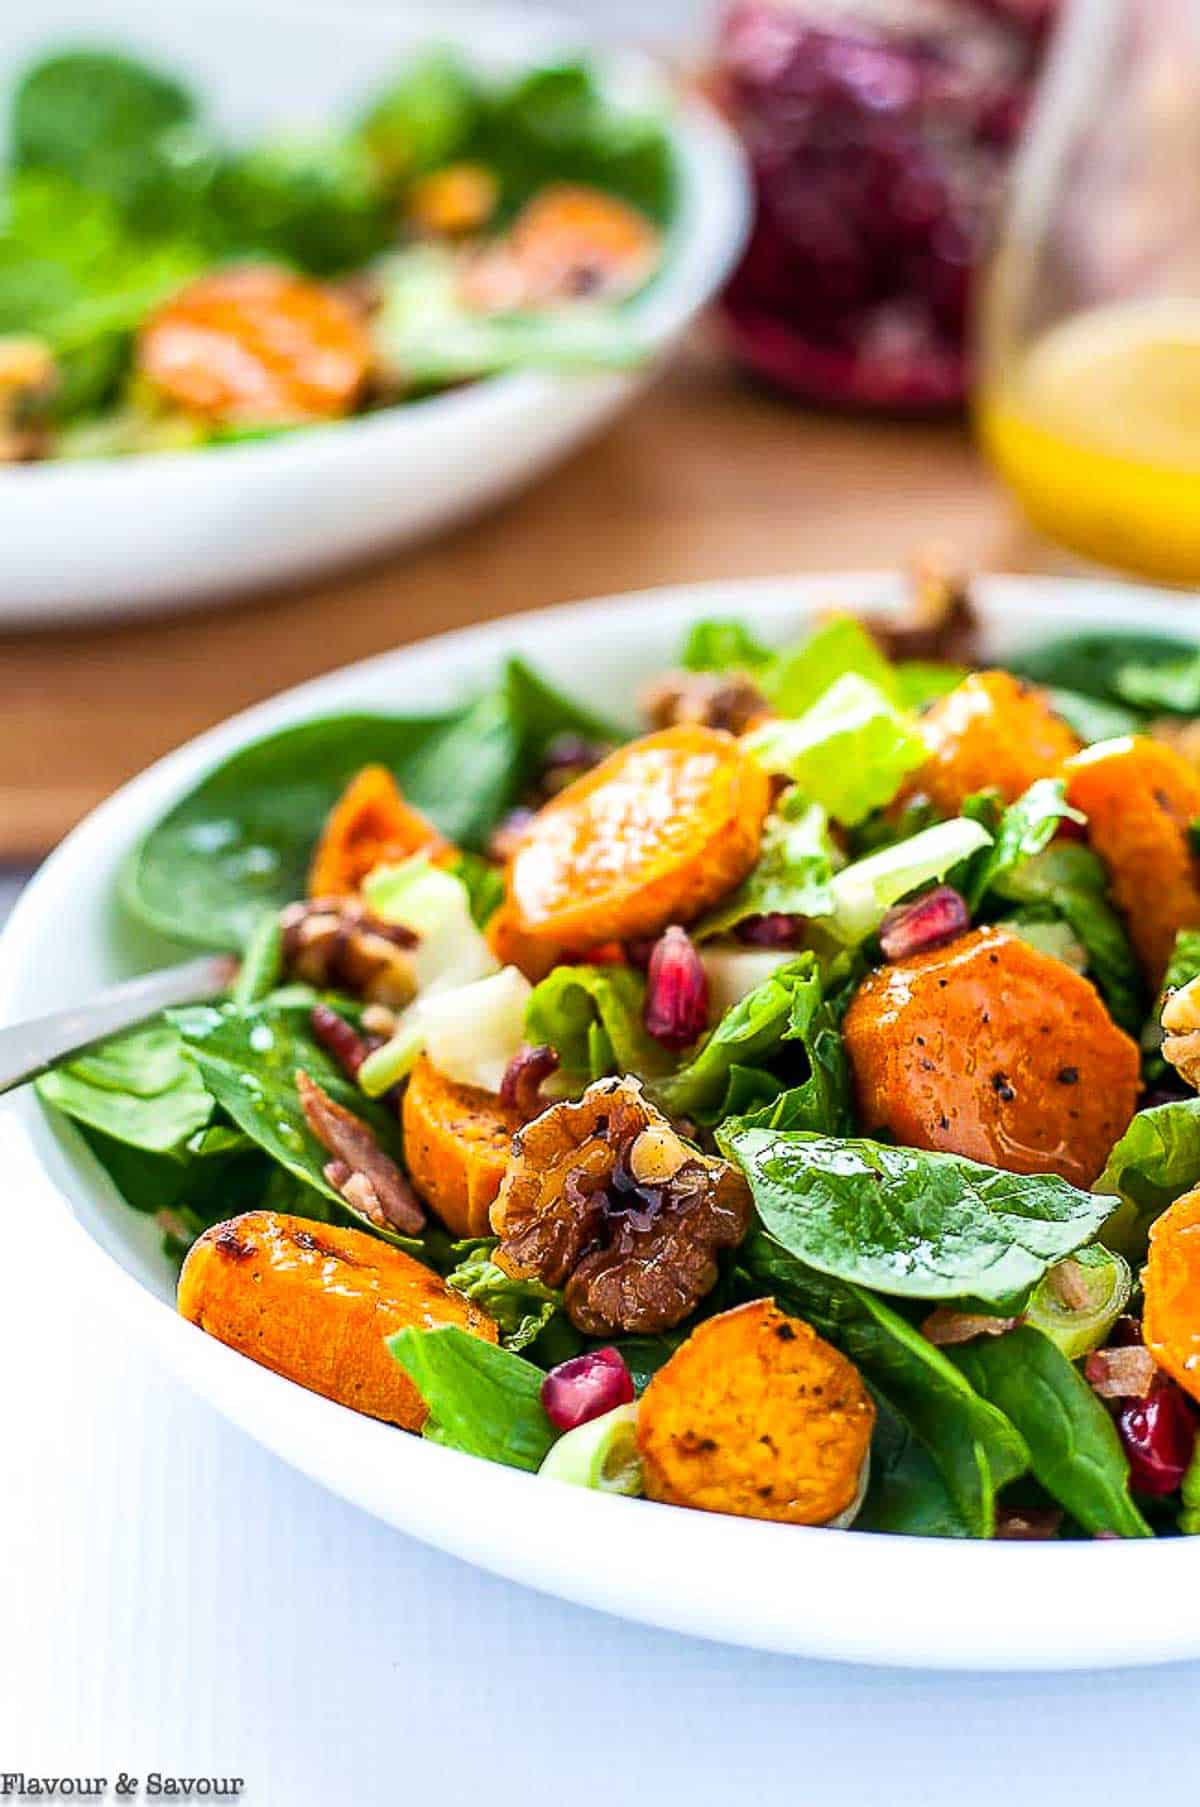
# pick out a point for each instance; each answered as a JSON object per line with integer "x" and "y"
{"x": 706, "y": 477}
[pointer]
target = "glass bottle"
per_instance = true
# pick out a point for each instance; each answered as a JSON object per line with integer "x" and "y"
{"x": 1088, "y": 397}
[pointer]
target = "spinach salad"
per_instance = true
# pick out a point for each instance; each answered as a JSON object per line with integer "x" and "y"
{"x": 782, "y": 1106}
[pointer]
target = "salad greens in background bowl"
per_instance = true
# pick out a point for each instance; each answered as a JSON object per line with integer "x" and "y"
{"x": 208, "y": 844}
{"x": 279, "y": 288}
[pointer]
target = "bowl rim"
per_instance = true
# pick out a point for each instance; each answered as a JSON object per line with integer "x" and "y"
{"x": 703, "y": 241}
{"x": 901, "y": 1601}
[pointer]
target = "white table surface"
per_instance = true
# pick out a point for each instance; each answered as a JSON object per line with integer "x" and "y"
{"x": 173, "y": 1598}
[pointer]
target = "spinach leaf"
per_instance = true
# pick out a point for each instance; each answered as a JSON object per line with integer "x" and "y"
{"x": 1071, "y": 880}
{"x": 249, "y": 1060}
{"x": 785, "y": 1017}
{"x": 1074, "y": 1449}
{"x": 723, "y": 645}
{"x": 313, "y": 201}
{"x": 1096, "y": 664}
{"x": 1091, "y": 718}
{"x": 424, "y": 117}
{"x": 521, "y": 1308}
{"x": 645, "y": 1355}
{"x": 484, "y": 884}
{"x": 110, "y": 124}
{"x": 1156, "y": 1159}
{"x": 481, "y": 1399}
{"x": 912, "y": 1223}
{"x": 136, "y": 1088}
{"x": 240, "y": 842}
{"x": 971, "y": 1444}
{"x": 592, "y": 1017}
{"x": 1162, "y": 686}
{"x": 906, "y": 1494}
{"x": 791, "y": 875}
{"x": 554, "y": 124}
{"x": 1023, "y": 830}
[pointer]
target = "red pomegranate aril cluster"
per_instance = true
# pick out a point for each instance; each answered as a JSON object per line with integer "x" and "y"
{"x": 931, "y": 921}
{"x": 676, "y": 1009}
{"x": 1158, "y": 1434}
{"x": 586, "y": 1387}
{"x": 773, "y": 929}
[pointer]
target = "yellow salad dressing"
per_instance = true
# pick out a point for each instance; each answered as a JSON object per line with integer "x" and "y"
{"x": 1097, "y": 429}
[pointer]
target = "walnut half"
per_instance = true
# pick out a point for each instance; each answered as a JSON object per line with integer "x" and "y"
{"x": 603, "y": 1199}
{"x": 1181, "y": 1023}
{"x": 334, "y": 942}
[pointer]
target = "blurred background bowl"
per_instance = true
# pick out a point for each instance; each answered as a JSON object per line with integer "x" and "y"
{"x": 117, "y": 537}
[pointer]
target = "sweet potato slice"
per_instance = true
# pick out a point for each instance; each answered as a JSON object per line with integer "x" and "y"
{"x": 569, "y": 242}
{"x": 756, "y": 1415}
{"x": 456, "y": 1146}
{"x": 654, "y": 834}
{"x": 1140, "y": 798}
{"x": 1171, "y": 1278}
{"x": 314, "y": 1303}
{"x": 989, "y": 731}
{"x": 368, "y": 825}
{"x": 256, "y": 345}
{"x": 990, "y": 1049}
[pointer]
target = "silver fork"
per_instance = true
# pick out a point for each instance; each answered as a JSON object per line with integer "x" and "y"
{"x": 27, "y": 1049}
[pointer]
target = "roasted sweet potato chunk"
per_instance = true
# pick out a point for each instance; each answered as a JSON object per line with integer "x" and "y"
{"x": 369, "y": 825}
{"x": 456, "y": 1146}
{"x": 991, "y": 731}
{"x": 569, "y": 242}
{"x": 756, "y": 1415}
{"x": 1140, "y": 798}
{"x": 256, "y": 345}
{"x": 654, "y": 834}
{"x": 1171, "y": 1278}
{"x": 991, "y": 1049}
{"x": 314, "y": 1303}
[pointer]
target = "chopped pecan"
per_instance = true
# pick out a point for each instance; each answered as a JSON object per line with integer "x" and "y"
{"x": 332, "y": 942}
{"x": 714, "y": 699}
{"x": 938, "y": 620}
{"x": 526, "y": 1072}
{"x": 1181, "y": 1024}
{"x": 367, "y": 1178}
{"x": 633, "y": 1254}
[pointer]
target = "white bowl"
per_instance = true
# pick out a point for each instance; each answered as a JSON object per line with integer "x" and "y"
{"x": 120, "y": 536}
{"x": 821, "y": 1593}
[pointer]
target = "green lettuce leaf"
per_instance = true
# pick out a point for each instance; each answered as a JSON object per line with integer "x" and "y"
{"x": 850, "y": 752}
{"x": 1074, "y": 1450}
{"x": 791, "y": 875}
{"x": 1019, "y": 832}
{"x": 592, "y": 1017}
{"x": 1070, "y": 880}
{"x": 746, "y": 1057}
{"x": 521, "y": 1308}
{"x": 481, "y": 1399}
{"x": 801, "y": 675}
{"x": 908, "y": 1222}
{"x": 723, "y": 645}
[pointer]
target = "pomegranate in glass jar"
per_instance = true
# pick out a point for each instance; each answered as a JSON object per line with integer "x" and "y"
{"x": 878, "y": 133}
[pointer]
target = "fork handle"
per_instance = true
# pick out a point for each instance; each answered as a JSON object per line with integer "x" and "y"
{"x": 28, "y": 1049}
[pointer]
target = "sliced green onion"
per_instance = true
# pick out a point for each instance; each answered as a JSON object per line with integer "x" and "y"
{"x": 262, "y": 963}
{"x": 1080, "y": 1299}
{"x": 395, "y": 1060}
{"x": 864, "y": 892}
{"x": 602, "y": 1454}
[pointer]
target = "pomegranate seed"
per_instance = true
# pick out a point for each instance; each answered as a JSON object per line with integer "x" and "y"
{"x": 585, "y": 1388}
{"x": 1159, "y": 1435}
{"x": 774, "y": 929}
{"x": 676, "y": 991}
{"x": 931, "y": 921}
